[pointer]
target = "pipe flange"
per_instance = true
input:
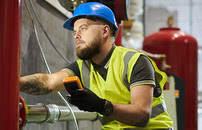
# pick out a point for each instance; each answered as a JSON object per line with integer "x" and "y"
{"x": 53, "y": 113}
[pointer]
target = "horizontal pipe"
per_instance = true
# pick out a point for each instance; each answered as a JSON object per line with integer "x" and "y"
{"x": 81, "y": 115}
{"x": 51, "y": 113}
{"x": 36, "y": 114}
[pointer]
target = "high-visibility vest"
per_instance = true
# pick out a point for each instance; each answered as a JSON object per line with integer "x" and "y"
{"x": 116, "y": 87}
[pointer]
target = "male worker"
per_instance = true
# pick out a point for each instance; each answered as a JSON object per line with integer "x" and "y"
{"x": 122, "y": 85}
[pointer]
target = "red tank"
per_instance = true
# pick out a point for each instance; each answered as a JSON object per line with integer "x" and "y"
{"x": 181, "y": 52}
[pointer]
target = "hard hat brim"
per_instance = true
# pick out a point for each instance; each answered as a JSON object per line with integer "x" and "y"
{"x": 69, "y": 23}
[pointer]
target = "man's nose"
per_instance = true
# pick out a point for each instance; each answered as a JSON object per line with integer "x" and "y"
{"x": 77, "y": 35}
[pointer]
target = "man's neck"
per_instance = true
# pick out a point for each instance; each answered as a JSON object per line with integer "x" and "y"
{"x": 102, "y": 55}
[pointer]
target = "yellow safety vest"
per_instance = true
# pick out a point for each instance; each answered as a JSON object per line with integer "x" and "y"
{"x": 116, "y": 88}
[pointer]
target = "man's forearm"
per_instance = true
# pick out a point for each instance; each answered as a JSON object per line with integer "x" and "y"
{"x": 128, "y": 114}
{"x": 35, "y": 84}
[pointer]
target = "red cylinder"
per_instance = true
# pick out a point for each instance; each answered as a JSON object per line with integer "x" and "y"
{"x": 181, "y": 52}
{"x": 10, "y": 33}
{"x": 118, "y": 41}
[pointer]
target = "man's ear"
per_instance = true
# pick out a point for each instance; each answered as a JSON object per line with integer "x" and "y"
{"x": 106, "y": 30}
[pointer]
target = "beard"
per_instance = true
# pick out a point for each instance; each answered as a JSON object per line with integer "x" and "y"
{"x": 89, "y": 52}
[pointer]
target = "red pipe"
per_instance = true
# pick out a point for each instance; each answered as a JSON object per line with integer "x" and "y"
{"x": 118, "y": 41}
{"x": 10, "y": 33}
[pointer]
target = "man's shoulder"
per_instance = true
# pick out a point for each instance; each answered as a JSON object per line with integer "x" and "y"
{"x": 120, "y": 48}
{"x": 122, "y": 51}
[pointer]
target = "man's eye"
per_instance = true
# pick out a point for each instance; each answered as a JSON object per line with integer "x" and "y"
{"x": 83, "y": 28}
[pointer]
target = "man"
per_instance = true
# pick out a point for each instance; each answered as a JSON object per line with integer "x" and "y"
{"x": 122, "y": 85}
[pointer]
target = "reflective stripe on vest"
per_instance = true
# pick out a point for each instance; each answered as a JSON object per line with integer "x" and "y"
{"x": 127, "y": 58}
{"x": 157, "y": 110}
{"x": 86, "y": 73}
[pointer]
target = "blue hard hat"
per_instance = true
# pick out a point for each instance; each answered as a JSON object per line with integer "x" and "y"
{"x": 91, "y": 9}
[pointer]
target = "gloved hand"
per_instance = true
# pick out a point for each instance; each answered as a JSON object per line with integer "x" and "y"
{"x": 87, "y": 100}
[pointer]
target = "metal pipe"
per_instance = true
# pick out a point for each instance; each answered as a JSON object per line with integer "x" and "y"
{"x": 162, "y": 57}
{"x": 36, "y": 113}
{"x": 51, "y": 113}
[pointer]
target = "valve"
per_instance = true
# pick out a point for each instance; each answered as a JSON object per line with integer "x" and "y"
{"x": 23, "y": 112}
